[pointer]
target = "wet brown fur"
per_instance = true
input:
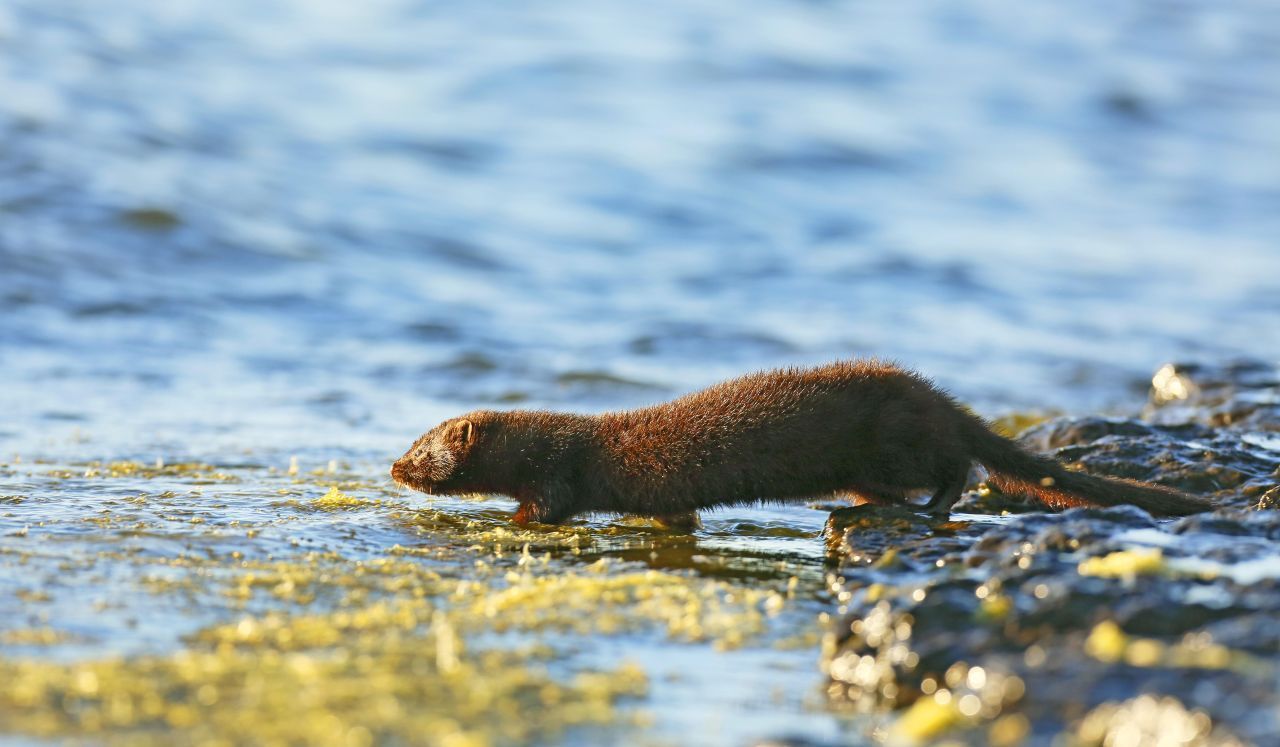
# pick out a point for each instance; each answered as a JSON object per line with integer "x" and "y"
{"x": 863, "y": 427}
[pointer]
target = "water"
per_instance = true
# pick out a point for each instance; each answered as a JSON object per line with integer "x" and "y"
{"x": 238, "y": 232}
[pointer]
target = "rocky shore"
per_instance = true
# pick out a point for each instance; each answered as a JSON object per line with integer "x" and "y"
{"x": 1088, "y": 626}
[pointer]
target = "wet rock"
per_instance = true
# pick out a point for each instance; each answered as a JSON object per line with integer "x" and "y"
{"x": 1080, "y": 608}
{"x": 1207, "y": 430}
{"x": 1241, "y": 394}
{"x": 1270, "y": 500}
{"x": 995, "y": 503}
{"x": 1255, "y": 632}
{"x": 1221, "y": 465}
{"x": 1061, "y": 432}
{"x": 861, "y": 534}
{"x": 1230, "y": 523}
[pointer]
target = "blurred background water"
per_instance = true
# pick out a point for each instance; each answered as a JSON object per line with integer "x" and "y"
{"x": 299, "y": 224}
{"x": 237, "y": 231}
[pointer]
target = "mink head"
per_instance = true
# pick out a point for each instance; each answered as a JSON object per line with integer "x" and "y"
{"x": 436, "y": 463}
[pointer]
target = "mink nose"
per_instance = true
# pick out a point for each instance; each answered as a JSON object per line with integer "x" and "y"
{"x": 397, "y": 472}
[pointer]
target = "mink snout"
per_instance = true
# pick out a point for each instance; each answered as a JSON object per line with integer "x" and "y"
{"x": 399, "y": 472}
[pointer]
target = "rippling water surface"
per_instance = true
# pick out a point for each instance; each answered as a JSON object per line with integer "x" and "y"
{"x": 239, "y": 232}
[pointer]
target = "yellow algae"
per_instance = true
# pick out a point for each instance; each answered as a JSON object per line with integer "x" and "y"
{"x": 689, "y": 609}
{"x": 925, "y": 720}
{"x": 1009, "y": 730}
{"x": 389, "y": 664}
{"x": 299, "y": 581}
{"x": 1124, "y": 563}
{"x": 1106, "y": 642}
{"x": 1144, "y": 652}
{"x": 164, "y": 585}
{"x": 318, "y": 647}
{"x": 335, "y": 500}
{"x": 193, "y": 472}
{"x": 1207, "y": 656}
{"x": 995, "y": 607}
{"x": 888, "y": 560}
{"x": 390, "y": 690}
{"x": 33, "y": 637}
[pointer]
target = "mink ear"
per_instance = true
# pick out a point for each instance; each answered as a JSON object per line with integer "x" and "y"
{"x": 462, "y": 432}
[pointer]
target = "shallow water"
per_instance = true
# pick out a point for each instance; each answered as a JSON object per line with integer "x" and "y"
{"x": 135, "y": 561}
{"x": 235, "y": 233}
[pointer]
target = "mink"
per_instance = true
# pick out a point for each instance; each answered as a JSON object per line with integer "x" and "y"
{"x": 863, "y": 427}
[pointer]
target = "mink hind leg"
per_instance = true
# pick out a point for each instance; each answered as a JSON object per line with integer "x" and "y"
{"x": 950, "y": 491}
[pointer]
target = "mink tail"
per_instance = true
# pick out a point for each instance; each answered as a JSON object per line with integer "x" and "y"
{"x": 1015, "y": 470}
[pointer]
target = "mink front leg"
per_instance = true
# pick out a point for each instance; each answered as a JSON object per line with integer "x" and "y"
{"x": 528, "y": 513}
{"x": 547, "y": 506}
